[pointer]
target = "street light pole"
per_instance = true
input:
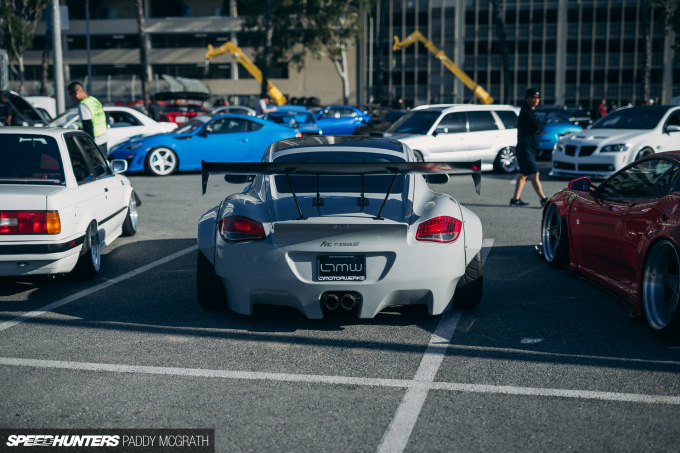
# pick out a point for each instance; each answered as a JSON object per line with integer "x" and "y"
{"x": 58, "y": 59}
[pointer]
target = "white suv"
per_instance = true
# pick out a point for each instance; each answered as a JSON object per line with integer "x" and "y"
{"x": 616, "y": 140}
{"x": 461, "y": 133}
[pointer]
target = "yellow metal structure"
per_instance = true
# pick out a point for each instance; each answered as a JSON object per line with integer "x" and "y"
{"x": 230, "y": 47}
{"x": 450, "y": 65}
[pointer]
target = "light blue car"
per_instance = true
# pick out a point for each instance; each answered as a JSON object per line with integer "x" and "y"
{"x": 221, "y": 138}
{"x": 341, "y": 119}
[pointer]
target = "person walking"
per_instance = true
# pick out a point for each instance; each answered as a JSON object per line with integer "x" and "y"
{"x": 528, "y": 128}
{"x": 92, "y": 115}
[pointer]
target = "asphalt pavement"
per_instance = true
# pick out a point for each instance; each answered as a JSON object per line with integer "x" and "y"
{"x": 547, "y": 362}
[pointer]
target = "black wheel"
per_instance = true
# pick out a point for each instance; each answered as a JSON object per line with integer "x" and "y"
{"x": 470, "y": 286}
{"x": 554, "y": 237}
{"x": 506, "y": 160}
{"x": 130, "y": 223}
{"x": 161, "y": 162}
{"x": 210, "y": 291}
{"x": 646, "y": 151}
{"x": 661, "y": 289}
{"x": 90, "y": 259}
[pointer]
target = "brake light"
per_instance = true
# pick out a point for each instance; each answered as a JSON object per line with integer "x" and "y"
{"x": 439, "y": 229}
{"x": 238, "y": 228}
{"x": 30, "y": 222}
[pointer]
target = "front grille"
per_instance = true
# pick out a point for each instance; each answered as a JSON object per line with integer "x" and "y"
{"x": 564, "y": 166}
{"x": 595, "y": 167}
{"x": 570, "y": 150}
{"x": 587, "y": 150}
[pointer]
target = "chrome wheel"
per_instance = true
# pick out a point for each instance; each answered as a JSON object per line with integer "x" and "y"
{"x": 506, "y": 161}
{"x": 554, "y": 236}
{"x": 661, "y": 287}
{"x": 130, "y": 223}
{"x": 161, "y": 162}
{"x": 646, "y": 151}
{"x": 95, "y": 249}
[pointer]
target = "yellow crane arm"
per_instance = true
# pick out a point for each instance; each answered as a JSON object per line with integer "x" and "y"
{"x": 477, "y": 90}
{"x": 230, "y": 47}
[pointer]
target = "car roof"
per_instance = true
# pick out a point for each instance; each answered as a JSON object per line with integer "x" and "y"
{"x": 291, "y": 108}
{"x": 340, "y": 142}
{"x": 44, "y": 131}
{"x": 464, "y": 107}
{"x": 657, "y": 108}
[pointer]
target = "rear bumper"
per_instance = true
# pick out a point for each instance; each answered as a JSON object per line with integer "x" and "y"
{"x": 39, "y": 258}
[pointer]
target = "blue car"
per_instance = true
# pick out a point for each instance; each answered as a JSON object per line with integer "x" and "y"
{"x": 555, "y": 127}
{"x": 341, "y": 119}
{"x": 221, "y": 138}
{"x": 296, "y": 117}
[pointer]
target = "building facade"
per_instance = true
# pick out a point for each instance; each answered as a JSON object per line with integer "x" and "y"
{"x": 574, "y": 51}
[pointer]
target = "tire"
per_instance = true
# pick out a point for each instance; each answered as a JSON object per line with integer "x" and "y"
{"x": 661, "y": 289}
{"x": 90, "y": 259}
{"x": 161, "y": 162}
{"x": 210, "y": 292}
{"x": 506, "y": 160}
{"x": 554, "y": 237}
{"x": 130, "y": 223}
{"x": 646, "y": 151}
{"x": 470, "y": 286}
{"x": 419, "y": 156}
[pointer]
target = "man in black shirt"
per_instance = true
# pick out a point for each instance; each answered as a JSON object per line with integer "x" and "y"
{"x": 528, "y": 128}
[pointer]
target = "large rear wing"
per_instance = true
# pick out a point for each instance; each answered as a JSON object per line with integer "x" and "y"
{"x": 342, "y": 168}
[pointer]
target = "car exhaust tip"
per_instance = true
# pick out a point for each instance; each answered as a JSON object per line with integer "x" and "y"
{"x": 348, "y": 301}
{"x": 330, "y": 301}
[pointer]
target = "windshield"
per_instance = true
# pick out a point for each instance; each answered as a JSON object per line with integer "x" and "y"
{"x": 415, "y": 122}
{"x": 291, "y": 118}
{"x": 339, "y": 183}
{"x": 64, "y": 118}
{"x": 189, "y": 127}
{"x": 32, "y": 159}
{"x": 634, "y": 118}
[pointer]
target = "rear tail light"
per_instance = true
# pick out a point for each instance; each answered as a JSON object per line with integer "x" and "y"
{"x": 439, "y": 229}
{"x": 30, "y": 222}
{"x": 237, "y": 228}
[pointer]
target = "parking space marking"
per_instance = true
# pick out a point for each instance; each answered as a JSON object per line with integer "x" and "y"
{"x": 398, "y": 433}
{"x": 73, "y": 297}
{"x": 421, "y": 386}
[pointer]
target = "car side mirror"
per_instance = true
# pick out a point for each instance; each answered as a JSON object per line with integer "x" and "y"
{"x": 119, "y": 165}
{"x": 672, "y": 128}
{"x": 437, "y": 178}
{"x": 441, "y": 130}
{"x": 580, "y": 184}
{"x": 238, "y": 179}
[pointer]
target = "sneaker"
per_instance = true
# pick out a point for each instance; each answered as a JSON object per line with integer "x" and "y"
{"x": 517, "y": 202}
{"x": 543, "y": 201}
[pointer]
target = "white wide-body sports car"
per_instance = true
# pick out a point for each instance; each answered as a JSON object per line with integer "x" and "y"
{"x": 339, "y": 223}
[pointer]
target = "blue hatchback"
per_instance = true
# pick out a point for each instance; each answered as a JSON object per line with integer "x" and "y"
{"x": 341, "y": 119}
{"x": 221, "y": 138}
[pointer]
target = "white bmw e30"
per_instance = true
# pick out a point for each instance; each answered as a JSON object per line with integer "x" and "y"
{"x": 344, "y": 223}
{"x": 61, "y": 202}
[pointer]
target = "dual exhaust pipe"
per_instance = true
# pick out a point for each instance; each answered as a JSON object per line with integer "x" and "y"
{"x": 346, "y": 301}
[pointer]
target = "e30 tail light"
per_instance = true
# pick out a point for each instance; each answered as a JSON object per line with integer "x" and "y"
{"x": 238, "y": 228}
{"x": 439, "y": 229}
{"x": 29, "y": 222}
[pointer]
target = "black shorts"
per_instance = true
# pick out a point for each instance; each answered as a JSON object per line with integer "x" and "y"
{"x": 527, "y": 162}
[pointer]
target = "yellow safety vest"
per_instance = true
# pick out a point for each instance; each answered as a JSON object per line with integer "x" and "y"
{"x": 98, "y": 116}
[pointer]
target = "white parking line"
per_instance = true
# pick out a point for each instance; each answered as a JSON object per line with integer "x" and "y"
{"x": 47, "y": 308}
{"x": 398, "y": 433}
{"x": 409, "y": 384}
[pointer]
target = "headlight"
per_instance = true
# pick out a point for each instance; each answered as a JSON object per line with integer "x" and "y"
{"x": 559, "y": 147}
{"x": 614, "y": 148}
{"x": 134, "y": 145}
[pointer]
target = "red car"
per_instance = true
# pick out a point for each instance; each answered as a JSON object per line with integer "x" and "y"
{"x": 624, "y": 234}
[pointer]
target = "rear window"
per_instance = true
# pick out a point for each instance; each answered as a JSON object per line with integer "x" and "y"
{"x": 339, "y": 183}
{"x": 508, "y": 118}
{"x": 30, "y": 159}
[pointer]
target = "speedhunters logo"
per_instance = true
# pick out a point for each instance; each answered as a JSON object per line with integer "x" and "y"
{"x": 150, "y": 440}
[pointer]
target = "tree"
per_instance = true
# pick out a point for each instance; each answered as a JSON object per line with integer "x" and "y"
{"x": 19, "y": 21}
{"x": 320, "y": 28}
